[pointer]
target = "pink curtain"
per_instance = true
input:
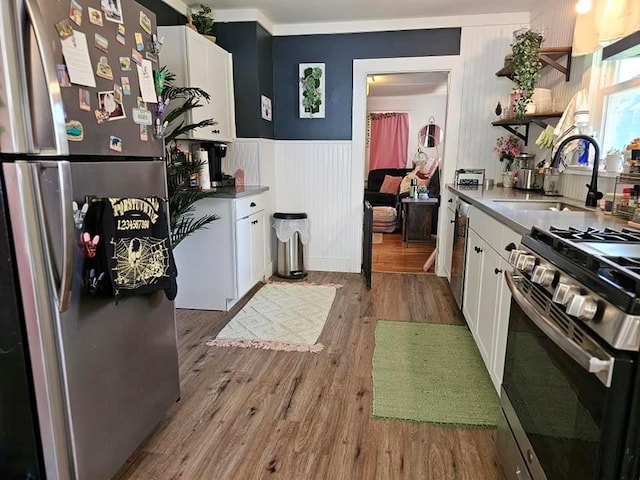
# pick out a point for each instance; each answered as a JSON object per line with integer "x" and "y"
{"x": 389, "y": 140}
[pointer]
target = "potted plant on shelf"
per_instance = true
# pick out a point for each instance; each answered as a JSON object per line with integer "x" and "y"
{"x": 180, "y": 171}
{"x": 202, "y": 20}
{"x": 526, "y": 64}
{"x": 507, "y": 147}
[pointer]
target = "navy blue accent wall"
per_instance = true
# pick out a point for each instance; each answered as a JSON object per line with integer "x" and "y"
{"x": 338, "y": 51}
{"x": 265, "y": 77}
{"x": 240, "y": 39}
{"x": 165, "y": 15}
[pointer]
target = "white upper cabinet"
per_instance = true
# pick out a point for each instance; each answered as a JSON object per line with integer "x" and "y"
{"x": 198, "y": 62}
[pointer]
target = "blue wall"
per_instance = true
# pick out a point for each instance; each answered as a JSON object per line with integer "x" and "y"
{"x": 251, "y": 46}
{"x": 338, "y": 51}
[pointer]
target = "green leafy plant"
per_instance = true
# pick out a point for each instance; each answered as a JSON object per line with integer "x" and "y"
{"x": 203, "y": 20}
{"x": 180, "y": 171}
{"x": 526, "y": 67}
{"x": 312, "y": 96}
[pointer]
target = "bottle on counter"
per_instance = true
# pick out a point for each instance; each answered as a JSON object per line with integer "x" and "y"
{"x": 413, "y": 188}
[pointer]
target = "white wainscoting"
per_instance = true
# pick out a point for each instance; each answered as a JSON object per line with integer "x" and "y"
{"x": 256, "y": 156}
{"x": 244, "y": 154}
{"x": 573, "y": 183}
{"x": 315, "y": 177}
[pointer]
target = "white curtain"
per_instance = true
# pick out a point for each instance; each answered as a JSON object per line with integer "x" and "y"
{"x": 606, "y": 21}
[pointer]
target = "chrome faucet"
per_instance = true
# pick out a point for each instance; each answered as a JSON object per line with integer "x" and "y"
{"x": 593, "y": 195}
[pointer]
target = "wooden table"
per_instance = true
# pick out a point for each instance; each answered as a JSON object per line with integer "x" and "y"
{"x": 417, "y": 215}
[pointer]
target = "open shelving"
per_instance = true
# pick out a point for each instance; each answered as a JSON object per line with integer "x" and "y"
{"x": 526, "y": 120}
{"x": 549, "y": 57}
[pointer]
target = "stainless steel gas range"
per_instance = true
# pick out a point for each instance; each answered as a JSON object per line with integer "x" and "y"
{"x": 571, "y": 389}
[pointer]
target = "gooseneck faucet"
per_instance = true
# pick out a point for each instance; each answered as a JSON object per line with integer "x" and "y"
{"x": 593, "y": 195}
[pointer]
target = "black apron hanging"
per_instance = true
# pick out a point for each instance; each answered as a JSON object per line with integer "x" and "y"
{"x": 133, "y": 254}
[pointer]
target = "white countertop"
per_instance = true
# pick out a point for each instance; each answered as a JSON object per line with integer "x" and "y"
{"x": 522, "y": 220}
{"x": 236, "y": 192}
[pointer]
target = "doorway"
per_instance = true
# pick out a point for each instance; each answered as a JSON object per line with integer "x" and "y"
{"x": 362, "y": 68}
{"x": 420, "y": 99}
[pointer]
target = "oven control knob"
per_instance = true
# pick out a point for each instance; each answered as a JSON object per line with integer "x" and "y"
{"x": 525, "y": 263}
{"x": 542, "y": 276}
{"x": 583, "y": 307}
{"x": 514, "y": 255}
{"x": 564, "y": 294}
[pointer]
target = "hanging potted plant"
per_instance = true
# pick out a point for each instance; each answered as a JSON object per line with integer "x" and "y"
{"x": 526, "y": 67}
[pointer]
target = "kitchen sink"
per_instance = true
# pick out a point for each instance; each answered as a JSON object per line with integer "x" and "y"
{"x": 552, "y": 205}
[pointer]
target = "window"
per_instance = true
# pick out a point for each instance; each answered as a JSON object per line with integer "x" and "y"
{"x": 619, "y": 96}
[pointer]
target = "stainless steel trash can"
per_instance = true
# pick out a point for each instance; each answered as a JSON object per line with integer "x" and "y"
{"x": 290, "y": 252}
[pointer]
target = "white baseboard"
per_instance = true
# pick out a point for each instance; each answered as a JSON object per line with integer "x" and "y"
{"x": 323, "y": 264}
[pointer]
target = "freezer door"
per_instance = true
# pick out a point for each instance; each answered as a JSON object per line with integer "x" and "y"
{"x": 118, "y": 361}
{"x": 61, "y": 119}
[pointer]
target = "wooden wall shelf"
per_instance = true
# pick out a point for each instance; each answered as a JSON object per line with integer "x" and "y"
{"x": 537, "y": 118}
{"x": 549, "y": 57}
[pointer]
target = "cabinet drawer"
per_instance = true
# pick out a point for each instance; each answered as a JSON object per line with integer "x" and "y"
{"x": 508, "y": 236}
{"x": 249, "y": 205}
{"x": 488, "y": 228}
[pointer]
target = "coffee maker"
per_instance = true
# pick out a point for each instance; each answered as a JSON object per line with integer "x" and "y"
{"x": 216, "y": 152}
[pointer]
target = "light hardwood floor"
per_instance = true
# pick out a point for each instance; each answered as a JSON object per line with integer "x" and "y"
{"x": 392, "y": 255}
{"x": 254, "y": 414}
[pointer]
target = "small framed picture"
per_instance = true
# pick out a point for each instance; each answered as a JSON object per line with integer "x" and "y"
{"x": 265, "y": 107}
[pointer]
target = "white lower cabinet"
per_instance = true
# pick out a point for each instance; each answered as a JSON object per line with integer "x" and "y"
{"x": 250, "y": 240}
{"x": 487, "y": 299}
{"x": 219, "y": 264}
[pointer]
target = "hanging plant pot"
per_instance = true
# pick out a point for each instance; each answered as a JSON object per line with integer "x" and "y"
{"x": 526, "y": 67}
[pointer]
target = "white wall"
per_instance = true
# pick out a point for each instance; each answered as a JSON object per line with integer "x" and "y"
{"x": 419, "y": 108}
{"x": 483, "y": 50}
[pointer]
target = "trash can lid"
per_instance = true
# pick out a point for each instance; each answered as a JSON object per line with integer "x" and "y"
{"x": 290, "y": 216}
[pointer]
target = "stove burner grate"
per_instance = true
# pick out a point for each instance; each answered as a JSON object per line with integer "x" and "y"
{"x": 596, "y": 235}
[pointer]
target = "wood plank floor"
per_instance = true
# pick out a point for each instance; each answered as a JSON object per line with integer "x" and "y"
{"x": 255, "y": 414}
{"x": 393, "y": 256}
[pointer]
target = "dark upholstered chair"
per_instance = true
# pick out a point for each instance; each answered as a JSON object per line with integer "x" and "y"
{"x": 374, "y": 182}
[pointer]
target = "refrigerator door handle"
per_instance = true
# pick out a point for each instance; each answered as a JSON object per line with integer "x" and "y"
{"x": 49, "y": 68}
{"x": 68, "y": 228}
{"x": 17, "y": 137}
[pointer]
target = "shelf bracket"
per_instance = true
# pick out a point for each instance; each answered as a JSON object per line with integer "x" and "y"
{"x": 549, "y": 60}
{"x": 522, "y": 136}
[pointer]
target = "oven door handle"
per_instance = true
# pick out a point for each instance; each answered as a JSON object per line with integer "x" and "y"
{"x": 603, "y": 369}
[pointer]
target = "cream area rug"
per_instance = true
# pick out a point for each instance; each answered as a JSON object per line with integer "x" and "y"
{"x": 280, "y": 316}
{"x": 377, "y": 238}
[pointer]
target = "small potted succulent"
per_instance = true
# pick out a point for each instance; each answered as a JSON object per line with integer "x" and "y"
{"x": 202, "y": 20}
{"x": 423, "y": 192}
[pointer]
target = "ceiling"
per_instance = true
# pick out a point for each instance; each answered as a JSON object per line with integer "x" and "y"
{"x": 401, "y": 84}
{"x": 301, "y": 11}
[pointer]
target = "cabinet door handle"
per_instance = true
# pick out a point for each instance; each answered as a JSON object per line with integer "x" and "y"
{"x": 497, "y": 271}
{"x": 450, "y": 200}
{"x": 480, "y": 250}
{"x": 252, "y": 204}
{"x": 511, "y": 246}
{"x": 452, "y": 221}
{"x": 215, "y": 131}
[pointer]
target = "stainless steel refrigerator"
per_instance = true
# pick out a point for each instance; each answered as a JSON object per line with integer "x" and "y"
{"x": 84, "y": 379}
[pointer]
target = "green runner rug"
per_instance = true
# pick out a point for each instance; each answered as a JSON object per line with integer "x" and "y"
{"x": 431, "y": 373}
